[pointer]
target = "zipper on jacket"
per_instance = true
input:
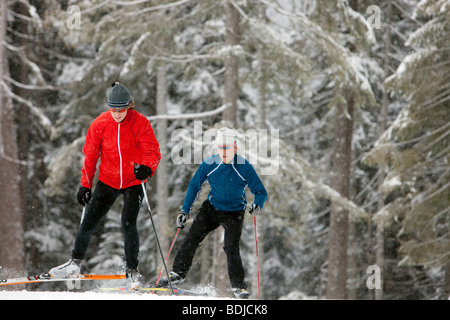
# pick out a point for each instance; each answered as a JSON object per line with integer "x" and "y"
{"x": 120, "y": 155}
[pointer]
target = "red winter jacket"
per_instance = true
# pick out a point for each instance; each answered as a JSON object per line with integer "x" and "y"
{"x": 119, "y": 146}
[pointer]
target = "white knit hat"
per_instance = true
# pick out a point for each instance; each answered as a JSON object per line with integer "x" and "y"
{"x": 226, "y": 136}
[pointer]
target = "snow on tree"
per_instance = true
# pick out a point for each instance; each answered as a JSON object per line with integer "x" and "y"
{"x": 300, "y": 64}
{"x": 415, "y": 146}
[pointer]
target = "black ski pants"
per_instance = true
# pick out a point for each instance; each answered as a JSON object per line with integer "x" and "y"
{"x": 102, "y": 200}
{"x": 207, "y": 220}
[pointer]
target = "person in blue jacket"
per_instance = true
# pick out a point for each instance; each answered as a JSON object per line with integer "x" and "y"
{"x": 228, "y": 175}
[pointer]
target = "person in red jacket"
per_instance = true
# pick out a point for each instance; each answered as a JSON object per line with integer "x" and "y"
{"x": 124, "y": 141}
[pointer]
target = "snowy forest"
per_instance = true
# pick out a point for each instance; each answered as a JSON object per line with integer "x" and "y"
{"x": 354, "y": 96}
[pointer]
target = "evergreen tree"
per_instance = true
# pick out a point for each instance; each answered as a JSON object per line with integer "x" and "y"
{"x": 415, "y": 146}
{"x": 298, "y": 66}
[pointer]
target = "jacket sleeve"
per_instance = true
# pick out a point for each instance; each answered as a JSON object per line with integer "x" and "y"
{"x": 150, "y": 146}
{"x": 91, "y": 151}
{"x": 256, "y": 186}
{"x": 195, "y": 186}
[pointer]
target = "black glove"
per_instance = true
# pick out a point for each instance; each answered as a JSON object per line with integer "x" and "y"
{"x": 254, "y": 210}
{"x": 84, "y": 195}
{"x": 182, "y": 218}
{"x": 142, "y": 172}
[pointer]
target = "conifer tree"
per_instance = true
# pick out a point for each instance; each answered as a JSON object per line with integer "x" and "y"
{"x": 415, "y": 146}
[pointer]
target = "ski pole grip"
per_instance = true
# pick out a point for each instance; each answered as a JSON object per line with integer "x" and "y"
{"x": 136, "y": 166}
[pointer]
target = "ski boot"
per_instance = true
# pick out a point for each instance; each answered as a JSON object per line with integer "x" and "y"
{"x": 133, "y": 279}
{"x": 174, "y": 278}
{"x": 73, "y": 266}
{"x": 240, "y": 293}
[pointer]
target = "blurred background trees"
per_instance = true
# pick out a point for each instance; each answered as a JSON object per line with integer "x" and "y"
{"x": 359, "y": 95}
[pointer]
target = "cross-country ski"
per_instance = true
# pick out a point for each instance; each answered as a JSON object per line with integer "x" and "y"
{"x": 46, "y": 277}
{"x": 151, "y": 290}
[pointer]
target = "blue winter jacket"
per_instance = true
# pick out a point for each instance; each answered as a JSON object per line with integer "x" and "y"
{"x": 227, "y": 184}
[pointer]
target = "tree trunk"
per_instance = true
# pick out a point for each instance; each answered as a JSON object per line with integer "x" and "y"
{"x": 339, "y": 228}
{"x": 33, "y": 175}
{"x": 260, "y": 124}
{"x": 339, "y": 225}
{"x": 162, "y": 176}
{"x": 447, "y": 281}
{"x": 383, "y": 124}
{"x": 231, "y": 64}
{"x": 12, "y": 256}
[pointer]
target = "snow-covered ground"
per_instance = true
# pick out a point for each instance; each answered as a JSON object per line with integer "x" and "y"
{"x": 52, "y": 295}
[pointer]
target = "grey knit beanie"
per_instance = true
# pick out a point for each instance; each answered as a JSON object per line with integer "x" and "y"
{"x": 119, "y": 96}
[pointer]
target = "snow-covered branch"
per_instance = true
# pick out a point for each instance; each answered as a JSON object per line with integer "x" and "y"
{"x": 93, "y": 8}
{"x": 154, "y": 8}
{"x": 325, "y": 191}
{"x": 14, "y": 160}
{"x": 43, "y": 119}
{"x": 190, "y": 115}
{"x": 178, "y": 58}
{"x": 33, "y": 13}
{"x": 29, "y": 86}
{"x": 345, "y": 61}
{"x": 130, "y": 3}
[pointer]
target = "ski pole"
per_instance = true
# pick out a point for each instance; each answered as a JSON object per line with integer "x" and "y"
{"x": 257, "y": 259}
{"x": 156, "y": 235}
{"x": 167, "y": 257}
{"x": 82, "y": 214}
{"x": 168, "y": 254}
